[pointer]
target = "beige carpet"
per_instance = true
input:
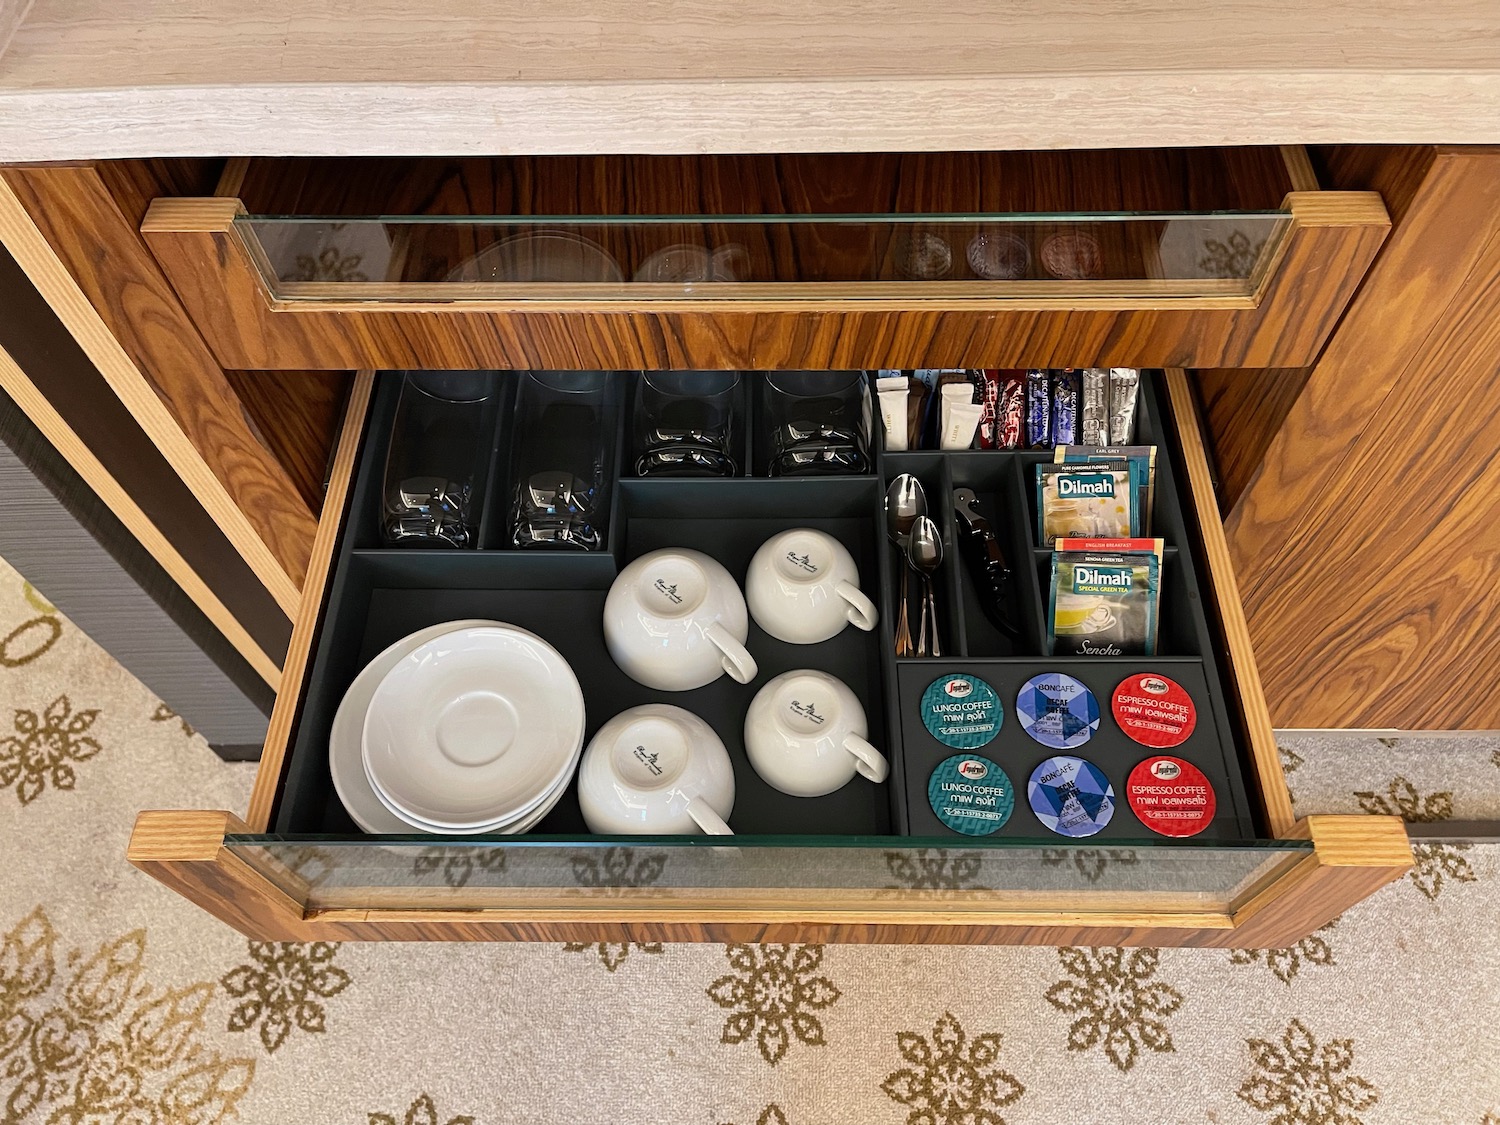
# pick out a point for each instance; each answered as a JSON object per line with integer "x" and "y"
{"x": 122, "y": 1004}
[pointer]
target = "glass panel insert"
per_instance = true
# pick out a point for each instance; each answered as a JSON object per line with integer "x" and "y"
{"x": 813, "y": 874}
{"x": 741, "y": 257}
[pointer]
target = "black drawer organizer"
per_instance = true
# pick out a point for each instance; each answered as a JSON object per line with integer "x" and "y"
{"x": 377, "y": 595}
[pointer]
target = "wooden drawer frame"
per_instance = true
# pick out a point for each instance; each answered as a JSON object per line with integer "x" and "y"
{"x": 219, "y": 271}
{"x": 1350, "y": 857}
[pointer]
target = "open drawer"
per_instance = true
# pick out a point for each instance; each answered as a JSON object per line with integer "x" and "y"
{"x": 868, "y": 862}
{"x": 1192, "y": 258}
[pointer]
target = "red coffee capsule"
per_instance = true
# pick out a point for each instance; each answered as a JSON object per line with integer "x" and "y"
{"x": 1171, "y": 797}
{"x": 1154, "y": 710}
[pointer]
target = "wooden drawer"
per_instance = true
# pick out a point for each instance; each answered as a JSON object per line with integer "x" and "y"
{"x": 1194, "y": 258}
{"x": 862, "y": 865}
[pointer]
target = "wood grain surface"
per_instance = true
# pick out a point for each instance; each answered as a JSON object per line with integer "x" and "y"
{"x": 117, "y": 303}
{"x": 320, "y": 76}
{"x": 309, "y": 618}
{"x": 1366, "y": 545}
{"x": 1241, "y": 671}
{"x": 297, "y": 415}
{"x": 1332, "y": 240}
{"x": 1353, "y": 857}
{"x": 1243, "y": 411}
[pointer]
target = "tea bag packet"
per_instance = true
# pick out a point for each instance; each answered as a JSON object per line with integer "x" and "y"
{"x": 1097, "y": 500}
{"x": 1142, "y": 461}
{"x": 1104, "y": 603}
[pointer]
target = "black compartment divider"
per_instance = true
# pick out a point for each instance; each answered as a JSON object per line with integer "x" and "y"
{"x": 378, "y": 595}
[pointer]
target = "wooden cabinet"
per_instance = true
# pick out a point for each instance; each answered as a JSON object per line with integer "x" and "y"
{"x": 1198, "y": 258}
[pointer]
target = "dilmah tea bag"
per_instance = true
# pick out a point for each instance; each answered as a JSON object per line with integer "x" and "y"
{"x": 1142, "y": 462}
{"x": 1097, "y": 500}
{"x": 1104, "y": 603}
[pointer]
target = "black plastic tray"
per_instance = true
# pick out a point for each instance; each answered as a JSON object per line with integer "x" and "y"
{"x": 378, "y": 595}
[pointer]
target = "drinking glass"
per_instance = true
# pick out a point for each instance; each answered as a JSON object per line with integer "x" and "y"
{"x": 563, "y": 466}
{"x": 438, "y": 458}
{"x": 687, "y": 424}
{"x": 819, "y": 423}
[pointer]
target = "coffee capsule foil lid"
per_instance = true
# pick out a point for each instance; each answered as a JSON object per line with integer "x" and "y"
{"x": 962, "y": 712}
{"x": 1070, "y": 796}
{"x": 1170, "y": 796}
{"x": 1057, "y": 710}
{"x": 1154, "y": 710}
{"x": 971, "y": 795}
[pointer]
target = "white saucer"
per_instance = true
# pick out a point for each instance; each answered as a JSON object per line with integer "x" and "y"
{"x": 345, "y": 753}
{"x": 479, "y": 721}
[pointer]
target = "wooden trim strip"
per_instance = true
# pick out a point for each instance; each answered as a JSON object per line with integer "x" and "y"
{"x": 54, "y": 427}
{"x": 244, "y": 488}
{"x": 1265, "y": 758}
{"x": 1299, "y": 168}
{"x": 306, "y": 624}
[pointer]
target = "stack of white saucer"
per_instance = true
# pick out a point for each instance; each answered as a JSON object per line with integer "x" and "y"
{"x": 466, "y": 727}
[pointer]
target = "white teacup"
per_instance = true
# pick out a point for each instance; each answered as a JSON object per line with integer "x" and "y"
{"x": 805, "y": 735}
{"x": 676, "y": 620}
{"x": 656, "y": 769}
{"x": 803, "y": 587}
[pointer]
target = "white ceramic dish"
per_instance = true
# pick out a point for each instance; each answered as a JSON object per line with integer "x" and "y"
{"x": 656, "y": 769}
{"x": 805, "y": 735}
{"x": 474, "y": 728}
{"x": 345, "y": 752}
{"x": 675, "y": 620}
{"x": 803, "y": 587}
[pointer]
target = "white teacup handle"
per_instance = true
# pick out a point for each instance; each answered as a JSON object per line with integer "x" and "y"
{"x": 862, "y": 613}
{"x": 867, "y": 760}
{"x": 704, "y": 816}
{"x": 737, "y": 660}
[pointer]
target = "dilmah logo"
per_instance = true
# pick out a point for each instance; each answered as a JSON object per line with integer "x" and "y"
{"x": 958, "y": 688}
{"x": 1154, "y": 685}
{"x": 647, "y": 759}
{"x": 668, "y": 591}
{"x": 804, "y": 561}
{"x": 808, "y": 711}
{"x": 973, "y": 770}
{"x": 1164, "y": 770}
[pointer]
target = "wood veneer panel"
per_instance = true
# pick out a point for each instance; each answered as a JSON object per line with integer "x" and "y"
{"x": 153, "y": 357}
{"x": 1381, "y": 614}
{"x": 1333, "y": 239}
{"x": 69, "y": 401}
{"x": 1243, "y": 411}
{"x": 1418, "y": 274}
{"x": 297, "y": 414}
{"x": 1365, "y": 545}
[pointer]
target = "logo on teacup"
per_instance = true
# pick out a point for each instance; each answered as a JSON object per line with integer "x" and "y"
{"x": 803, "y": 560}
{"x": 1165, "y": 770}
{"x": 1154, "y": 686}
{"x": 958, "y": 688}
{"x": 668, "y": 591}
{"x": 808, "y": 711}
{"x": 972, "y": 769}
{"x": 647, "y": 759}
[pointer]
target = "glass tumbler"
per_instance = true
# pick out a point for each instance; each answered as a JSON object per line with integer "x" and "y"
{"x": 819, "y": 423}
{"x": 438, "y": 458}
{"x": 687, "y": 424}
{"x": 564, "y": 460}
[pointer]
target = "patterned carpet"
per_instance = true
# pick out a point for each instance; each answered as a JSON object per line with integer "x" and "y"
{"x": 122, "y": 1004}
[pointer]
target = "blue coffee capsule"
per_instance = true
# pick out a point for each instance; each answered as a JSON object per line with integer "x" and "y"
{"x": 1070, "y": 796}
{"x": 1057, "y": 711}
